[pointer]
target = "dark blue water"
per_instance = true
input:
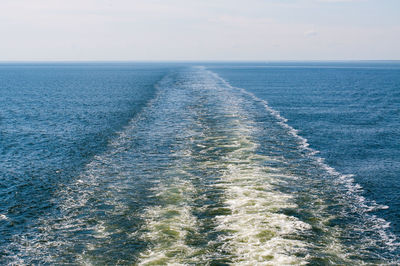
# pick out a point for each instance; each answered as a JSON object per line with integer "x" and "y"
{"x": 108, "y": 163}
{"x": 53, "y": 119}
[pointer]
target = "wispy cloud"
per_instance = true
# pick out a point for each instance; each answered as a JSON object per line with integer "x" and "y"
{"x": 241, "y": 20}
{"x": 311, "y": 33}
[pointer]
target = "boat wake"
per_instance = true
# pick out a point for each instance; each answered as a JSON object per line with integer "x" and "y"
{"x": 208, "y": 173}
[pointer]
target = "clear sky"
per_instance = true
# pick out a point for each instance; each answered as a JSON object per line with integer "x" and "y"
{"x": 199, "y": 30}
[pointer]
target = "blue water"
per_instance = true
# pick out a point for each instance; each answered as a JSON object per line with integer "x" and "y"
{"x": 108, "y": 163}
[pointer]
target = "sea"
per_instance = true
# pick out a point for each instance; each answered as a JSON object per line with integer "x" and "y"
{"x": 200, "y": 163}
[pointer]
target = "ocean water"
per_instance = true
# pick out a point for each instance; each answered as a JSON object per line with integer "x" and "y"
{"x": 219, "y": 164}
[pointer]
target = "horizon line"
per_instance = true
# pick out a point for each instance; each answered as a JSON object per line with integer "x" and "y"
{"x": 204, "y": 61}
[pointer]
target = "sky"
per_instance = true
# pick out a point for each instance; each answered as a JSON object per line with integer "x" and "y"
{"x": 199, "y": 30}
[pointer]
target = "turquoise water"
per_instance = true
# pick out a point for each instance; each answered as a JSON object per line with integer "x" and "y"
{"x": 186, "y": 164}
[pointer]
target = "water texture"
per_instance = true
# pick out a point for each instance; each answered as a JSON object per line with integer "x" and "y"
{"x": 188, "y": 170}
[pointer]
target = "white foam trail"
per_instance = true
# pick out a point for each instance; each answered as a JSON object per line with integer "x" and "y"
{"x": 167, "y": 227}
{"x": 255, "y": 229}
{"x": 353, "y": 190}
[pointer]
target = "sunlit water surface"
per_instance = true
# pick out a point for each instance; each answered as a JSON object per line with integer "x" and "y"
{"x": 181, "y": 164}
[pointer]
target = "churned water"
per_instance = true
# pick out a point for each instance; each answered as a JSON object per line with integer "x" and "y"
{"x": 154, "y": 164}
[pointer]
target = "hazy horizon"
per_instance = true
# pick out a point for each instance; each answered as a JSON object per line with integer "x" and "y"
{"x": 182, "y": 31}
{"x": 204, "y": 61}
